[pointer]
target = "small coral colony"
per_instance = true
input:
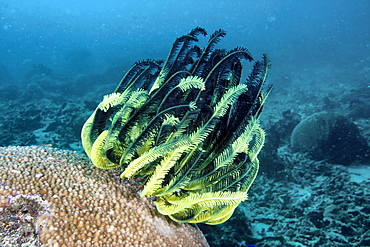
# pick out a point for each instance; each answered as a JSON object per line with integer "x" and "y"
{"x": 187, "y": 127}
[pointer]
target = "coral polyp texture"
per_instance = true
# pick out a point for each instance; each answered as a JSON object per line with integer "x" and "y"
{"x": 186, "y": 127}
{"x": 57, "y": 198}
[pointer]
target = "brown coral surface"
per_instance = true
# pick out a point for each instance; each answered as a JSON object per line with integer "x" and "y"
{"x": 88, "y": 207}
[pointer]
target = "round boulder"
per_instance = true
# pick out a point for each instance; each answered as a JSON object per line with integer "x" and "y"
{"x": 330, "y": 136}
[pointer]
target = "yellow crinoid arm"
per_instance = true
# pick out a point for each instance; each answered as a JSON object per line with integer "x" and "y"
{"x": 200, "y": 207}
{"x": 98, "y": 157}
{"x": 87, "y": 143}
{"x": 219, "y": 216}
{"x": 151, "y": 155}
{"x": 111, "y": 100}
{"x": 161, "y": 171}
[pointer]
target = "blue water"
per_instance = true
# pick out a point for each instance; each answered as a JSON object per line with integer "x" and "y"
{"x": 89, "y": 36}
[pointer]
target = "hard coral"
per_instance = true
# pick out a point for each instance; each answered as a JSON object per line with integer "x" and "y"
{"x": 88, "y": 206}
{"x": 19, "y": 217}
{"x": 330, "y": 136}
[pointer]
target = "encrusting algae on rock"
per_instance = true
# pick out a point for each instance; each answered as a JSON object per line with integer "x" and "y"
{"x": 68, "y": 202}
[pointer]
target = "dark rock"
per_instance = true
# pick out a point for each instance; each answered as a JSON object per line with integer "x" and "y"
{"x": 276, "y": 136}
{"x": 331, "y": 137}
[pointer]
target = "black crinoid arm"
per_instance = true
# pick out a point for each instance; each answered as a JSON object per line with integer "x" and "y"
{"x": 187, "y": 126}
